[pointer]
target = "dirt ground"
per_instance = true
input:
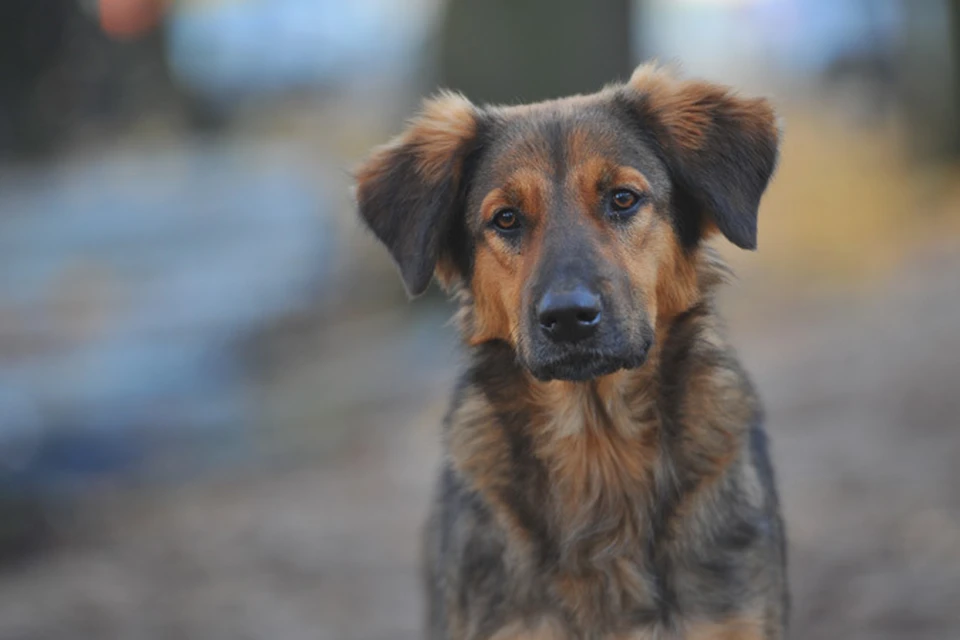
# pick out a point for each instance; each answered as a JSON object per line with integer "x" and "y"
{"x": 862, "y": 394}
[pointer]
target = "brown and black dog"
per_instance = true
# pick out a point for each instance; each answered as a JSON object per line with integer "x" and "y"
{"x": 606, "y": 473}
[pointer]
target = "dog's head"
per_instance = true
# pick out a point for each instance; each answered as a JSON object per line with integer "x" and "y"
{"x": 572, "y": 225}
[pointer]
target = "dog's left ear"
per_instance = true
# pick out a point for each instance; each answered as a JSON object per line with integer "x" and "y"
{"x": 410, "y": 192}
{"x": 721, "y": 151}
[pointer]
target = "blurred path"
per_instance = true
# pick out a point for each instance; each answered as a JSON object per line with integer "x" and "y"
{"x": 863, "y": 399}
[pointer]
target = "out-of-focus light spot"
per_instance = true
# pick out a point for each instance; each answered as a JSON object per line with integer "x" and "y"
{"x": 222, "y": 49}
{"x": 130, "y": 18}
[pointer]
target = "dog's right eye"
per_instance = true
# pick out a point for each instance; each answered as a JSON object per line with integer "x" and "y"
{"x": 506, "y": 220}
{"x": 623, "y": 199}
{"x": 623, "y": 204}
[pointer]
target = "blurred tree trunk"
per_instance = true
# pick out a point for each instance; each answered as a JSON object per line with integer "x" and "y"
{"x": 955, "y": 64}
{"x": 930, "y": 76}
{"x": 31, "y": 42}
{"x": 510, "y": 51}
{"x": 59, "y": 73}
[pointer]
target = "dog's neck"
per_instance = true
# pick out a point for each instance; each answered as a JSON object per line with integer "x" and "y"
{"x": 607, "y": 419}
{"x": 678, "y": 320}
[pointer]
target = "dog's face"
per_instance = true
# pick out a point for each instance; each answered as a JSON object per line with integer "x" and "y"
{"x": 572, "y": 225}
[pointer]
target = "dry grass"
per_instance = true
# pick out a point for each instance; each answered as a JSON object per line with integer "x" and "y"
{"x": 849, "y": 204}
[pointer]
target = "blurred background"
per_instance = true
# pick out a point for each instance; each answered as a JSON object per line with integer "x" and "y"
{"x": 219, "y": 414}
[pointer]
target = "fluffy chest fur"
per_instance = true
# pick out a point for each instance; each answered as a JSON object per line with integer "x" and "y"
{"x": 614, "y": 505}
{"x": 602, "y": 459}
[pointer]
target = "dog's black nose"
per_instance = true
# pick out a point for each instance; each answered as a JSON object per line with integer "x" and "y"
{"x": 569, "y": 316}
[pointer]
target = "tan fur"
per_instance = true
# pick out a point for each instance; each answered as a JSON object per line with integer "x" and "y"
{"x": 740, "y": 628}
{"x": 543, "y": 629}
{"x": 447, "y": 275}
{"x": 598, "y": 453}
{"x": 601, "y": 453}
{"x": 495, "y": 299}
{"x": 484, "y": 454}
{"x": 526, "y": 189}
{"x": 442, "y": 127}
{"x": 446, "y": 121}
{"x": 685, "y": 107}
{"x": 678, "y": 279}
{"x": 497, "y": 292}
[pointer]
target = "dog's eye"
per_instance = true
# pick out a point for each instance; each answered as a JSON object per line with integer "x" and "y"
{"x": 506, "y": 220}
{"x": 623, "y": 202}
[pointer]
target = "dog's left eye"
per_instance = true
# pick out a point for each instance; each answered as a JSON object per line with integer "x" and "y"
{"x": 506, "y": 220}
{"x": 623, "y": 203}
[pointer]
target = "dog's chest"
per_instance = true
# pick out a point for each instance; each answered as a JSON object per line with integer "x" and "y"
{"x": 588, "y": 522}
{"x": 603, "y": 469}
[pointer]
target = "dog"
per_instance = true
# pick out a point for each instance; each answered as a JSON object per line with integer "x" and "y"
{"x": 606, "y": 473}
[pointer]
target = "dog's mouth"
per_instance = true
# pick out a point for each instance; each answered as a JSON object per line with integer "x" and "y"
{"x": 586, "y": 365}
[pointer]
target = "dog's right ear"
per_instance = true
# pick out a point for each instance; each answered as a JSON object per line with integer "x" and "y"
{"x": 721, "y": 150}
{"x": 410, "y": 192}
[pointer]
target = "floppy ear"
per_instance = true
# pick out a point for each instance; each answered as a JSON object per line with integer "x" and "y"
{"x": 410, "y": 191}
{"x": 720, "y": 149}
